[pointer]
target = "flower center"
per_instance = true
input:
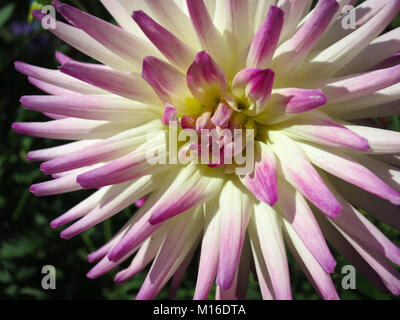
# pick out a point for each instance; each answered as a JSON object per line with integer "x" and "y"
{"x": 219, "y": 134}
{"x": 217, "y": 114}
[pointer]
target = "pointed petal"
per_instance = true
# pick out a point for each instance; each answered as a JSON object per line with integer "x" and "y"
{"x": 121, "y": 16}
{"x": 173, "y": 15}
{"x": 69, "y": 129}
{"x": 343, "y": 51}
{"x": 318, "y": 128}
{"x": 190, "y": 188}
{"x": 179, "y": 241}
{"x": 56, "y": 78}
{"x": 267, "y": 222}
{"x": 125, "y": 84}
{"x": 285, "y": 103}
{"x": 356, "y": 225}
{"x": 321, "y": 281}
{"x": 208, "y": 264}
{"x": 92, "y": 107}
{"x": 119, "y": 197}
{"x": 294, "y": 10}
{"x": 347, "y": 250}
{"x": 387, "y": 272}
{"x": 346, "y": 168}
{"x": 105, "y": 150}
{"x": 131, "y": 166}
{"x": 237, "y": 15}
{"x": 299, "y": 215}
{"x": 83, "y": 42}
{"x": 208, "y": 34}
{"x": 80, "y": 209}
{"x": 56, "y": 186}
{"x": 49, "y": 88}
{"x": 296, "y": 100}
{"x": 174, "y": 49}
{"x": 144, "y": 256}
{"x": 298, "y": 170}
{"x": 339, "y": 90}
{"x": 380, "y": 141}
{"x": 54, "y": 152}
{"x": 138, "y": 229}
{"x": 181, "y": 270}
{"x": 236, "y": 210}
{"x": 378, "y": 100}
{"x": 292, "y": 53}
{"x": 262, "y": 273}
{"x": 124, "y": 44}
{"x": 379, "y": 208}
{"x": 264, "y": 43}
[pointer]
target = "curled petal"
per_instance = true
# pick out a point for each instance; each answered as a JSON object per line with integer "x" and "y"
{"x": 222, "y": 115}
{"x": 285, "y": 103}
{"x": 295, "y": 100}
{"x": 170, "y": 115}
{"x": 169, "y": 84}
{"x": 206, "y": 80}
{"x": 256, "y": 86}
{"x": 188, "y": 123}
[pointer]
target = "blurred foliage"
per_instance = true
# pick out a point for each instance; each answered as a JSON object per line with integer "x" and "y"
{"x": 27, "y": 241}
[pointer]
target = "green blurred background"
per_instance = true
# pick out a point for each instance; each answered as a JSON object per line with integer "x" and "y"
{"x": 27, "y": 242}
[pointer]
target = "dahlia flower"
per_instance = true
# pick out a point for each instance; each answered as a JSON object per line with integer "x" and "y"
{"x": 289, "y": 79}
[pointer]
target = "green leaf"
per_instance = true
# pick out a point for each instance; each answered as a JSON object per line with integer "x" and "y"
{"x": 5, "y": 13}
{"x": 20, "y": 246}
{"x": 33, "y": 292}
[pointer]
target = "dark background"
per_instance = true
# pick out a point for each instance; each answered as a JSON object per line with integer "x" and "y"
{"x": 27, "y": 242}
